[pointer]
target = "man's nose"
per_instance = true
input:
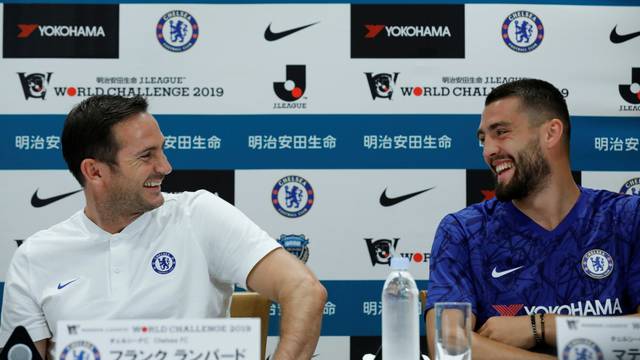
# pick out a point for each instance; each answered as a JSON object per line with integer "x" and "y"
{"x": 489, "y": 149}
{"x": 164, "y": 167}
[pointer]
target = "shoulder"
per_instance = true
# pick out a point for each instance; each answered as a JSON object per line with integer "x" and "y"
{"x": 188, "y": 200}
{"x": 468, "y": 227}
{"x": 69, "y": 228}
{"x": 50, "y": 239}
{"x": 606, "y": 203}
{"x": 201, "y": 206}
{"x": 474, "y": 216}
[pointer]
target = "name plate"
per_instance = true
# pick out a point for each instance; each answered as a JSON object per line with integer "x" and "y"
{"x": 598, "y": 337}
{"x": 171, "y": 339}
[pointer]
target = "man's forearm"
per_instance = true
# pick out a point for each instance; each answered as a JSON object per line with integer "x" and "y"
{"x": 301, "y": 319}
{"x": 484, "y": 348}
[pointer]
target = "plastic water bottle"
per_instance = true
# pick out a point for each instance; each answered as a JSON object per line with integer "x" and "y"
{"x": 400, "y": 314}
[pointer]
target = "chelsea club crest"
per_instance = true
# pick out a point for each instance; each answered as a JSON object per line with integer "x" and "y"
{"x": 598, "y": 264}
{"x": 292, "y": 196}
{"x": 177, "y": 31}
{"x": 83, "y": 350}
{"x": 296, "y": 245}
{"x": 582, "y": 349}
{"x": 163, "y": 263}
{"x": 631, "y": 187}
{"x": 522, "y": 31}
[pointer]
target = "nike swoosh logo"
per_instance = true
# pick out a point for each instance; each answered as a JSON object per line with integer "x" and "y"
{"x": 617, "y": 38}
{"x": 496, "y": 274}
{"x": 273, "y": 36}
{"x": 38, "y": 202}
{"x": 387, "y": 201}
{"x": 62, "y": 286}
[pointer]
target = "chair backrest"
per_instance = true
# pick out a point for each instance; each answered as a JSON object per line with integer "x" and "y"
{"x": 423, "y": 300}
{"x": 250, "y": 304}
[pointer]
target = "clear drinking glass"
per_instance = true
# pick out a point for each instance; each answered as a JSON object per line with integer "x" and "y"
{"x": 453, "y": 331}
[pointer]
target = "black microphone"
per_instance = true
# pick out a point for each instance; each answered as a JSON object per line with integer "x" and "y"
{"x": 20, "y": 346}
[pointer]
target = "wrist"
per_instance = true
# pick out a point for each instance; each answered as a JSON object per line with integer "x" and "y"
{"x": 536, "y": 329}
{"x": 543, "y": 335}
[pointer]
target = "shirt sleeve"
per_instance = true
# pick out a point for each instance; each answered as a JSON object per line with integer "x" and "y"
{"x": 233, "y": 244}
{"x": 633, "y": 277}
{"x": 19, "y": 305}
{"x": 449, "y": 271}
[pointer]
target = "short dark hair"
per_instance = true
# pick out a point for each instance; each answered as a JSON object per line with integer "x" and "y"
{"x": 539, "y": 98}
{"x": 87, "y": 129}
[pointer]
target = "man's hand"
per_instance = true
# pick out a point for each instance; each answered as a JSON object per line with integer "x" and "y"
{"x": 511, "y": 330}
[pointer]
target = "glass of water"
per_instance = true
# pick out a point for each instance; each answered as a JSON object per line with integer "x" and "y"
{"x": 453, "y": 331}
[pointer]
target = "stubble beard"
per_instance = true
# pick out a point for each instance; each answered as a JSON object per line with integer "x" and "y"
{"x": 530, "y": 175}
{"x": 125, "y": 201}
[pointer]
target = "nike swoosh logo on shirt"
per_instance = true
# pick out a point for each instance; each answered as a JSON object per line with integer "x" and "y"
{"x": 617, "y": 38}
{"x": 387, "y": 201}
{"x": 62, "y": 286}
{"x": 496, "y": 274}
{"x": 273, "y": 36}
{"x": 39, "y": 202}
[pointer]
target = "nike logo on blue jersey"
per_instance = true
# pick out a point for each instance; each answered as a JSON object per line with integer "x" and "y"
{"x": 62, "y": 286}
{"x": 496, "y": 274}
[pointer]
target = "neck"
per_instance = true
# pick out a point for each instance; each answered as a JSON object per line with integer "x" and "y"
{"x": 108, "y": 217}
{"x": 550, "y": 205}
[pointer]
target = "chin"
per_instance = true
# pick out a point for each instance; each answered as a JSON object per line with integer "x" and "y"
{"x": 156, "y": 202}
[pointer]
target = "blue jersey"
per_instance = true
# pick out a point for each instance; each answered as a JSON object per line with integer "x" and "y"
{"x": 496, "y": 258}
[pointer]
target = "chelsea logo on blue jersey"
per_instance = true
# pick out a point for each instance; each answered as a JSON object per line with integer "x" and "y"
{"x": 597, "y": 263}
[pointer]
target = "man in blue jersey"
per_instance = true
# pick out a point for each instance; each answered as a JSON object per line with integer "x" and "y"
{"x": 545, "y": 246}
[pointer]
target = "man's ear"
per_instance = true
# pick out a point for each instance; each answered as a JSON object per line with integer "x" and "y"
{"x": 553, "y": 132}
{"x": 92, "y": 170}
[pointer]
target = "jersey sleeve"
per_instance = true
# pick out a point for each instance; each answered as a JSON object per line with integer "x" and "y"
{"x": 450, "y": 279}
{"x": 633, "y": 279}
{"x": 19, "y": 305}
{"x": 233, "y": 244}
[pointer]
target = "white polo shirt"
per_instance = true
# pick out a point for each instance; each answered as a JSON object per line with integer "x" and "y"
{"x": 177, "y": 261}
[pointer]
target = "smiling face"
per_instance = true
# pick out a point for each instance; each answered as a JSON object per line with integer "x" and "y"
{"x": 512, "y": 149}
{"x": 133, "y": 184}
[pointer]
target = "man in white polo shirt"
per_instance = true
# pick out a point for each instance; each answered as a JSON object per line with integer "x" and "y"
{"x": 134, "y": 252}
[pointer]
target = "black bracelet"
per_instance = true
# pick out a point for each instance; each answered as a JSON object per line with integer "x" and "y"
{"x": 536, "y": 336}
{"x": 542, "y": 328}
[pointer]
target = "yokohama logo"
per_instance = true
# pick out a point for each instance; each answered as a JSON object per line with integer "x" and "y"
{"x": 580, "y": 308}
{"x": 60, "y": 31}
{"x": 26, "y": 30}
{"x": 508, "y": 310}
{"x": 407, "y": 31}
{"x": 373, "y": 30}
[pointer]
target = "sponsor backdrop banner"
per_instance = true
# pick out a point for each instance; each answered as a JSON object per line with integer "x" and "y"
{"x": 60, "y": 31}
{"x": 347, "y": 131}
